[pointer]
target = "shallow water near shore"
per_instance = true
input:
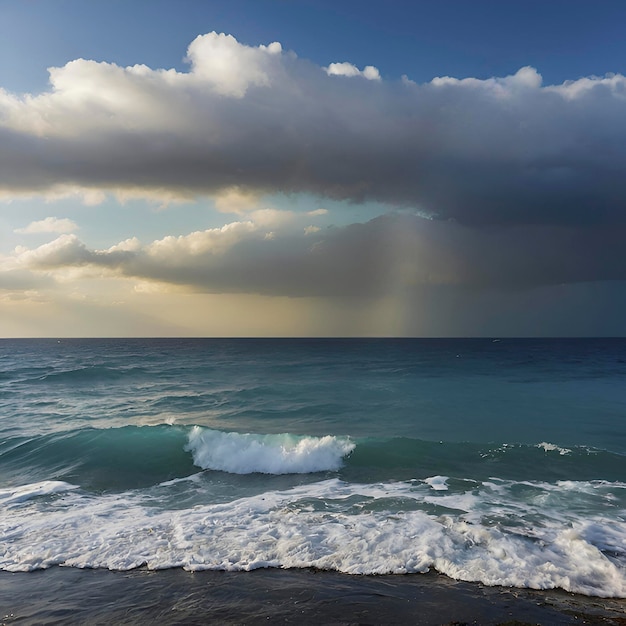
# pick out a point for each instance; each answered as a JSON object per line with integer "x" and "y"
{"x": 500, "y": 463}
{"x": 71, "y": 596}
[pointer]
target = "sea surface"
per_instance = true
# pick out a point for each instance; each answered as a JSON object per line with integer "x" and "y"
{"x": 492, "y": 461}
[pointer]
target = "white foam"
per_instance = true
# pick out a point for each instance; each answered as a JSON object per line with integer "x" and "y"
{"x": 268, "y": 454}
{"x": 551, "y": 447}
{"x": 22, "y": 493}
{"x": 438, "y": 483}
{"x": 477, "y": 536}
{"x": 192, "y": 478}
{"x": 589, "y": 486}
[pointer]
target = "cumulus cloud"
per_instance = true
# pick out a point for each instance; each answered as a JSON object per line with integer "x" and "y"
{"x": 348, "y": 69}
{"x": 48, "y": 225}
{"x": 230, "y": 68}
{"x": 389, "y": 255}
{"x": 504, "y": 150}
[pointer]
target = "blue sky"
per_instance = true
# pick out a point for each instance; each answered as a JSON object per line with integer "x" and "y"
{"x": 164, "y": 180}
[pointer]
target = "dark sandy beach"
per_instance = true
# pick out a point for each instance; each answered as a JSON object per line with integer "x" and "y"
{"x": 73, "y": 596}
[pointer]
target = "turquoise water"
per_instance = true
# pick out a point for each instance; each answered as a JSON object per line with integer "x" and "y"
{"x": 498, "y": 461}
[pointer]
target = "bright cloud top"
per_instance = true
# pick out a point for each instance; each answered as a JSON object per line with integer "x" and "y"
{"x": 48, "y": 225}
{"x": 260, "y": 120}
{"x": 347, "y": 69}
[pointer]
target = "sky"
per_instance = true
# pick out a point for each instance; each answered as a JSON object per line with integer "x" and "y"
{"x": 312, "y": 168}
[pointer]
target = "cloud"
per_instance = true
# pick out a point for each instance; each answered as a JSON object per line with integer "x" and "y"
{"x": 65, "y": 251}
{"x": 230, "y": 68}
{"x": 523, "y": 182}
{"x": 390, "y": 255}
{"x": 20, "y": 281}
{"x": 347, "y": 69}
{"x": 48, "y": 225}
{"x": 505, "y": 150}
{"x": 236, "y": 200}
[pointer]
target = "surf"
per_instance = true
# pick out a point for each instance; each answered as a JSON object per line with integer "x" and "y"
{"x": 248, "y": 453}
{"x": 498, "y": 533}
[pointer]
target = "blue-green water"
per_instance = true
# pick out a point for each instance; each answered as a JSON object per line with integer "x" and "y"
{"x": 502, "y": 462}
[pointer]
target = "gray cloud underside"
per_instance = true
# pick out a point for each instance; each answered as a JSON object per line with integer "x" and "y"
{"x": 503, "y": 151}
{"x": 390, "y": 255}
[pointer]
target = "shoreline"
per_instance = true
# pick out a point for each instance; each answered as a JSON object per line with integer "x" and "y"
{"x": 303, "y": 596}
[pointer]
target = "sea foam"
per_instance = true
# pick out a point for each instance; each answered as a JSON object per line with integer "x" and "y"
{"x": 27, "y": 492}
{"x": 551, "y": 447}
{"x": 330, "y": 525}
{"x": 239, "y": 453}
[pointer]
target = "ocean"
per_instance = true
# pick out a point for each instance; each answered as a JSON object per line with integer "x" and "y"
{"x": 478, "y": 463}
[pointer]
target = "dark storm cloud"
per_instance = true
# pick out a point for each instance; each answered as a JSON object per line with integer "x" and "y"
{"x": 504, "y": 151}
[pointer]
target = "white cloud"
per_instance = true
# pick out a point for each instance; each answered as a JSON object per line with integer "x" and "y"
{"x": 525, "y": 78}
{"x": 572, "y": 89}
{"x": 49, "y": 225}
{"x": 348, "y": 69}
{"x": 236, "y": 200}
{"x": 230, "y": 67}
{"x": 66, "y": 250}
{"x": 128, "y": 245}
{"x": 178, "y": 250}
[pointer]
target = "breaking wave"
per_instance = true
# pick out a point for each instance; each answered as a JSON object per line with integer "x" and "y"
{"x": 266, "y": 454}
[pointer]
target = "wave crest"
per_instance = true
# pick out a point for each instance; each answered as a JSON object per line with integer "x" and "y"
{"x": 247, "y": 453}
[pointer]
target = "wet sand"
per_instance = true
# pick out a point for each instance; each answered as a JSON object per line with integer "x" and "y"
{"x": 72, "y": 596}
